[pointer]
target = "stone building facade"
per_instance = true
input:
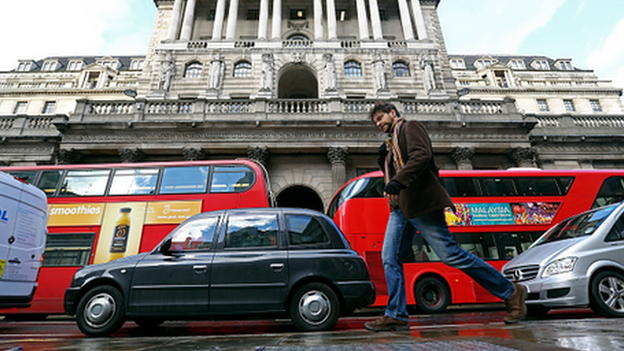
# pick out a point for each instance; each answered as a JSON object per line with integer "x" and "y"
{"x": 289, "y": 83}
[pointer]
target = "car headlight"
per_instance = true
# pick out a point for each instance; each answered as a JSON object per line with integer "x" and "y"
{"x": 564, "y": 265}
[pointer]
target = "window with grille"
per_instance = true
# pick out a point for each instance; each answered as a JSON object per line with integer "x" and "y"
{"x": 352, "y": 69}
{"x": 242, "y": 69}
{"x": 569, "y": 105}
{"x": 401, "y": 69}
{"x": 193, "y": 70}
{"x": 542, "y": 105}
{"x": 48, "y": 107}
{"x": 595, "y": 105}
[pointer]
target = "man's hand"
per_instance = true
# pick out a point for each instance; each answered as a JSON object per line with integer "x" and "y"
{"x": 392, "y": 190}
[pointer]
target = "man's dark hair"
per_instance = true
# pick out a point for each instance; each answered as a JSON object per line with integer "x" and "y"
{"x": 384, "y": 107}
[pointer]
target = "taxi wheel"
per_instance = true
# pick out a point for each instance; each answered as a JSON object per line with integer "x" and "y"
{"x": 432, "y": 295}
{"x": 314, "y": 307}
{"x": 607, "y": 294}
{"x": 100, "y": 311}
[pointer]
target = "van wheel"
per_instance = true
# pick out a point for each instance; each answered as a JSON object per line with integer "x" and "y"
{"x": 314, "y": 307}
{"x": 100, "y": 311}
{"x": 607, "y": 294}
{"x": 432, "y": 295}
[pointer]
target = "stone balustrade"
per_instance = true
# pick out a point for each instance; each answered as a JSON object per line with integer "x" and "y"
{"x": 199, "y": 110}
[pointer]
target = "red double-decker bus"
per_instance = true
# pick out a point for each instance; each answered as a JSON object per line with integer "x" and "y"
{"x": 97, "y": 213}
{"x": 498, "y": 215}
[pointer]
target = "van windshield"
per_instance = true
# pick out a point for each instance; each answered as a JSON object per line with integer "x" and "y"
{"x": 574, "y": 227}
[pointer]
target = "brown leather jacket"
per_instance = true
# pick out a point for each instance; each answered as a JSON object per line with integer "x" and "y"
{"x": 424, "y": 192}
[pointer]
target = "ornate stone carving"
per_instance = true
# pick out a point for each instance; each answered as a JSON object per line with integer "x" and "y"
{"x": 379, "y": 73}
{"x": 259, "y": 154}
{"x": 462, "y": 156}
{"x": 524, "y": 157}
{"x": 192, "y": 154}
{"x": 131, "y": 155}
{"x": 297, "y": 26}
{"x": 426, "y": 64}
{"x": 217, "y": 69}
{"x": 266, "y": 83}
{"x": 167, "y": 72}
{"x": 298, "y": 56}
{"x": 329, "y": 72}
{"x": 337, "y": 154}
{"x": 68, "y": 156}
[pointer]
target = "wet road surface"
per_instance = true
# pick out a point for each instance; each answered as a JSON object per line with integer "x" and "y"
{"x": 453, "y": 330}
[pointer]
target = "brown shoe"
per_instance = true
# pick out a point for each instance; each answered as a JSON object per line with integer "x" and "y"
{"x": 386, "y": 323}
{"x": 516, "y": 309}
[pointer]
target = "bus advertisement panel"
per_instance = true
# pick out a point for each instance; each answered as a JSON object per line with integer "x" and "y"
{"x": 497, "y": 215}
{"x": 98, "y": 213}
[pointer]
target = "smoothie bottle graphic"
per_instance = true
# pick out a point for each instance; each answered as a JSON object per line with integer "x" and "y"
{"x": 120, "y": 234}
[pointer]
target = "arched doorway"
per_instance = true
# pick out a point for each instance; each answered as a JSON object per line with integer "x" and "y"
{"x": 299, "y": 196}
{"x": 297, "y": 82}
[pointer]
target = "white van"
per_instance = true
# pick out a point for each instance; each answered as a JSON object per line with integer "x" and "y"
{"x": 23, "y": 227}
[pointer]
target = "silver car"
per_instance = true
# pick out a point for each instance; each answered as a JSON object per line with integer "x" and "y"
{"x": 577, "y": 263}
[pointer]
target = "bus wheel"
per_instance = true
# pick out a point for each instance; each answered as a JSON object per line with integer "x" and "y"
{"x": 432, "y": 295}
{"x": 314, "y": 307}
{"x": 100, "y": 311}
{"x": 606, "y": 296}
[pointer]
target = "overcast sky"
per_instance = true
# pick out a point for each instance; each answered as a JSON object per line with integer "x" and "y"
{"x": 590, "y": 32}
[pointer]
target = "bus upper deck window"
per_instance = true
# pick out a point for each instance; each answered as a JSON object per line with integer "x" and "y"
{"x": 134, "y": 181}
{"x": 233, "y": 179}
{"x": 49, "y": 181}
{"x": 27, "y": 176}
{"x": 91, "y": 182}
{"x": 184, "y": 180}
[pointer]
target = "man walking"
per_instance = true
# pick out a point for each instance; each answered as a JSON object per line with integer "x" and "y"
{"x": 417, "y": 200}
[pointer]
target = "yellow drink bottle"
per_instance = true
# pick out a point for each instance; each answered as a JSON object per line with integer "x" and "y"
{"x": 120, "y": 234}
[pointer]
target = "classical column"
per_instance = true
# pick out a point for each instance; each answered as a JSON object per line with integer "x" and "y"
{"x": 362, "y": 19}
{"x": 524, "y": 157}
{"x": 259, "y": 154}
{"x": 131, "y": 155}
{"x": 462, "y": 156}
{"x": 174, "y": 24}
{"x": 232, "y": 17}
{"x": 276, "y": 31}
{"x": 421, "y": 30}
{"x": 264, "y": 19}
{"x": 189, "y": 19}
{"x": 318, "y": 19}
{"x": 217, "y": 28}
{"x": 406, "y": 22}
{"x": 375, "y": 20}
{"x": 337, "y": 157}
{"x": 331, "y": 19}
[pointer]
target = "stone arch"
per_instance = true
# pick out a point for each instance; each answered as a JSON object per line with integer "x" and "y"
{"x": 300, "y": 196}
{"x": 297, "y": 81}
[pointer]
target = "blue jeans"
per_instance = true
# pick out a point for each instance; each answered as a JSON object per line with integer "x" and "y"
{"x": 432, "y": 226}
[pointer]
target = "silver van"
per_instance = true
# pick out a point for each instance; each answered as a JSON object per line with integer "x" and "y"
{"x": 577, "y": 263}
{"x": 23, "y": 227}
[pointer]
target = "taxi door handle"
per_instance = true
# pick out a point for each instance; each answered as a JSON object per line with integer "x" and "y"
{"x": 200, "y": 269}
{"x": 278, "y": 267}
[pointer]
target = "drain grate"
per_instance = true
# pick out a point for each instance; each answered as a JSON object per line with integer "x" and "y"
{"x": 465, "y": 345}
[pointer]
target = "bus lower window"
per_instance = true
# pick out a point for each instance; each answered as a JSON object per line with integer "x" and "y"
{"x": 184, "y": 180}
{"x": 68, "y": 249}
{"x": 85, "y": 183}
{"x": 134, "y": 182}
{"x": 231, "y": 180}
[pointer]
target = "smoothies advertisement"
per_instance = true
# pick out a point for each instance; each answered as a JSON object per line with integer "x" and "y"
{"x": 121, "y": 222}
{"x": 502, "y": 213}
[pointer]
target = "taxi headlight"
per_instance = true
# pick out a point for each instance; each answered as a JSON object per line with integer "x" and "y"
{"x": 564, "y": 265}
